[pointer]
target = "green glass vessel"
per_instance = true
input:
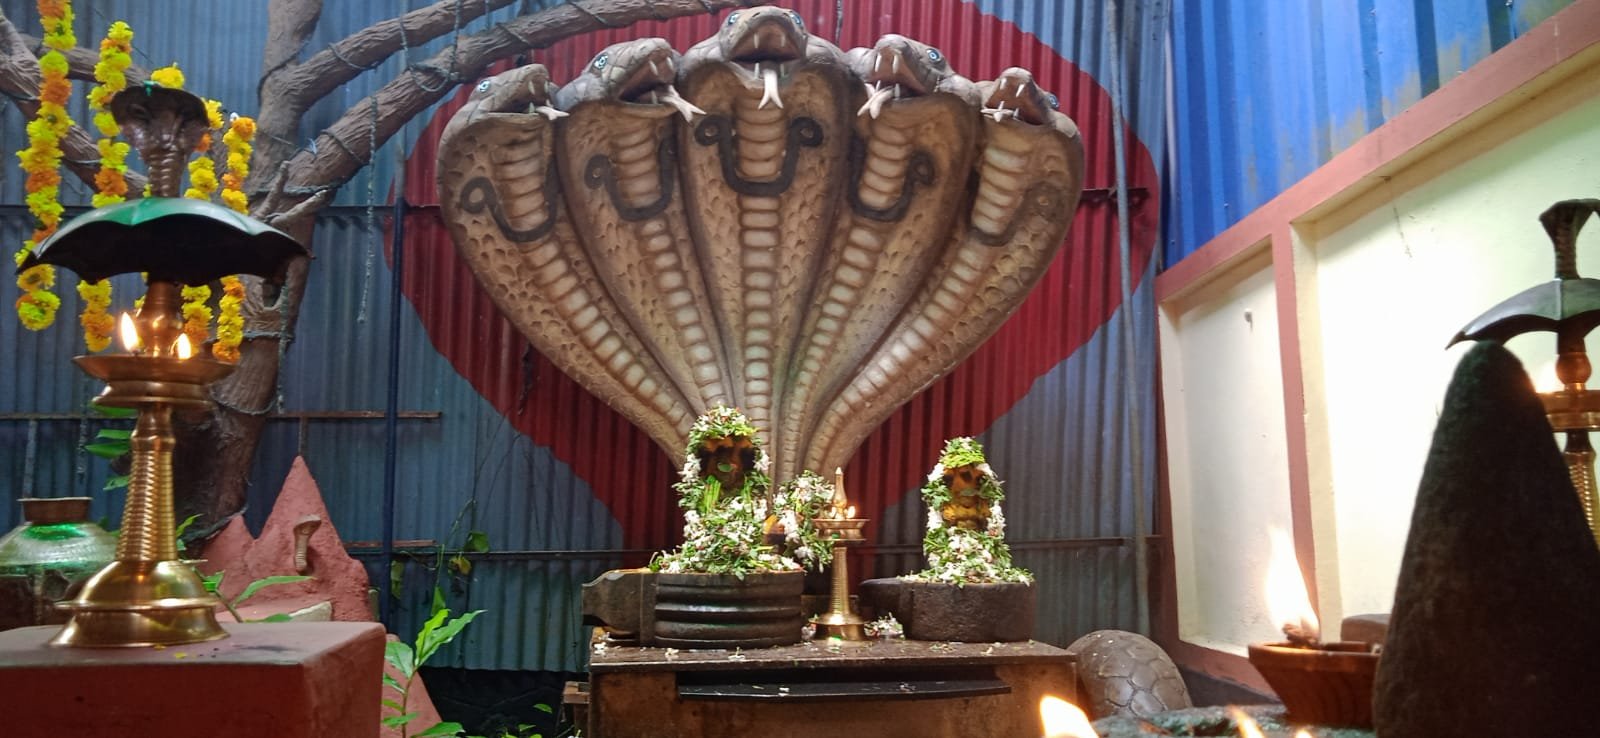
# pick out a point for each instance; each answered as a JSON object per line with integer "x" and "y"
{"x": 47, "y": 558}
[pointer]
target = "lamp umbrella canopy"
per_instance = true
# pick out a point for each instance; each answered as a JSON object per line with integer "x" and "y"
{"x": 172, "y": 238}
{"x": 1568, "y": 305}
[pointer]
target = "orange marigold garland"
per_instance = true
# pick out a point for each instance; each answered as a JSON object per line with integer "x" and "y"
{"x": 241, "y": 130}
{"x": 230, "y": 324}
{"x": 96, "y": 319}
{"x": 37, "y": 306}
{"x": 111, "y": 185}
{"x": 202, "y": 171}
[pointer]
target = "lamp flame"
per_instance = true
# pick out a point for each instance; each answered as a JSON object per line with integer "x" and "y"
{"x": 129, "y": 333}
{"x": 182, "y": 347}
{"x": 1062, "y": 719}
{"x": 1247, "y": 726}
{"x": 1287, "y": 599}
{"x": 1303, "y": 733}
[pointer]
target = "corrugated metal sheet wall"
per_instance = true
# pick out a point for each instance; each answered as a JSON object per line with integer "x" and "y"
{"x": 1267, "y": 91}
{"x": 504, "y": 455}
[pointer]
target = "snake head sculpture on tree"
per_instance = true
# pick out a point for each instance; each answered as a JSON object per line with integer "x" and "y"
{"x": 1014, "y": 93}
{"x": 525, "y": 89}
{"x": 897, "y": 67}
{"x": 639, "y": 73}
{"x": 768, "y": 42}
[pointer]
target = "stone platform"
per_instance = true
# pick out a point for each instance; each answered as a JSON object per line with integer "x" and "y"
{"x": 269, "y": 680}
{"x": 885, "y": 689}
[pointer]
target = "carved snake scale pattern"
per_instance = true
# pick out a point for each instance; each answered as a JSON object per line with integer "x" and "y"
{"x": 812, "y": 235}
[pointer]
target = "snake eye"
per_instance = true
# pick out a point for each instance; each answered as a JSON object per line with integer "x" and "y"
{"x": 935, "y": 55}
{"x": 485, "y": 85}
{"x": 798, "y": 21}
{"x": 733, "y": 17}
{"x": 601, "y": 61}
{"x": 1055, "y": 102}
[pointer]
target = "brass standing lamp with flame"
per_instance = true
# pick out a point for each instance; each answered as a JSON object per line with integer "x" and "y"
{"x": 147, "y": 597}
{"x": 1569, "y": 306}
{"x": 844, "y": 530}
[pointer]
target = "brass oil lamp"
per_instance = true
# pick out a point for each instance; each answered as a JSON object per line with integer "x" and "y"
{"x": 1568, "y": 306}
{"x": 147, "y": 596}
{"x": 842, "y": 526}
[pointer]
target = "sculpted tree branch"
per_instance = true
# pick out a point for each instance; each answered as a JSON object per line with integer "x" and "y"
{"x": 19, "y": 80}
{"x": 288, "y": 89}
{"x": 291, "y": 185}
{"x": 345, "y": 147}
{"x": 81, "y": 61}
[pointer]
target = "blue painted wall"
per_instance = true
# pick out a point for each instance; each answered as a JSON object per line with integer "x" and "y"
{"x": 1266, "y": 91}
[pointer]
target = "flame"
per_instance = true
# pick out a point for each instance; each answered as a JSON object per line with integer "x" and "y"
{"x": 129, "y": 332}
{"x": 1286, "y": 590}
{"x": 182, "y": 347}
{"x": 1062, "y": 719}
{"x": 850, "y": 512}
{"x": 1303, "y": 733}
{"x": 1247, "y": 727}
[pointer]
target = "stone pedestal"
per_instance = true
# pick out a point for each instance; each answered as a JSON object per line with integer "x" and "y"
{"x": 269, "y": 680}
{"x": 885, "y": 689}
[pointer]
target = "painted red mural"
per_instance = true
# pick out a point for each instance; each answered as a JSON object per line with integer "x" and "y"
{"x": 621, "y": 465}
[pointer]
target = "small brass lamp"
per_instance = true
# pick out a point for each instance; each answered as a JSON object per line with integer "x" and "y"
{"x": 843, "y": 529}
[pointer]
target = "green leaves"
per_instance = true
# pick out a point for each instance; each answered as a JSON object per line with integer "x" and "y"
{"x": 106, "y": 450}
{"x": 436, "y": 632}
{"x": 401, "y": 657}
{"x": 251, "y": 589}
{"x": 395, "y": 721}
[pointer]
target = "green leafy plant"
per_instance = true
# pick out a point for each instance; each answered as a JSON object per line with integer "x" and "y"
{"x": 112, "y": 444}
{"x": 407, "y": 658}
{"x": 214, "y": 583}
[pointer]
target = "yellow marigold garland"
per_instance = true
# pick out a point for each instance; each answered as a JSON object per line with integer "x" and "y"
{"x": 241, "y": 130}
{"x": 230, "y": 325}
{"x": 37, "y": 306}
{"x": 96, "y": 319}
{"x": 197, "y": 314}
{"x": 111, "y": 184}
{"x": 202, "y": 171}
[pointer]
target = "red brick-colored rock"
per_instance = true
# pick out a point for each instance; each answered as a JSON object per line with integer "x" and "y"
{"x": 337, "y": 578}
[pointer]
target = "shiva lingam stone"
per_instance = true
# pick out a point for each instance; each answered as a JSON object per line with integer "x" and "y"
{"x": 844, "y": 530}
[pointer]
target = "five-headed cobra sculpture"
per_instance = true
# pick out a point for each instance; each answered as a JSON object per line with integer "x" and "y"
{"x": 764, "y": 221}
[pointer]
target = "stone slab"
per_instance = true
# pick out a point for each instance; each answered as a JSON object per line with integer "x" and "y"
{"x": 268, "y": 680}
{"x": 663, "y": 693}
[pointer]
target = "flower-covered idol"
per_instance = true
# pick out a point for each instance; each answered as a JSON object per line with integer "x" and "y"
{"x": 965, "y": 543}
{"x": 723, "y": 489}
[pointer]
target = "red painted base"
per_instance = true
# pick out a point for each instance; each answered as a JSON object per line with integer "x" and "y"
{"x": 269, "y": 680}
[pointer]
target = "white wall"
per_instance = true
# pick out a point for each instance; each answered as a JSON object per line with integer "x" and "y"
{"x": 1226, "y": 453}
{"x": 1401, "y": 270}
{"x": 1384, "y": 280}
